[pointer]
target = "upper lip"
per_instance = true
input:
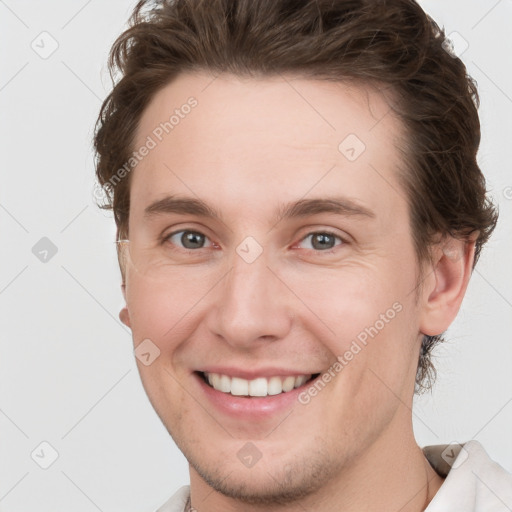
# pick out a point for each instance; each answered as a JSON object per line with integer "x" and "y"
{"x": 255, "y": 373}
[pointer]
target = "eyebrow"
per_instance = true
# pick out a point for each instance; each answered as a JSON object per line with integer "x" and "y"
{"x": 301, "y": 208}
{"x": 337, "y": 205}
{"x": 181, "y": 205}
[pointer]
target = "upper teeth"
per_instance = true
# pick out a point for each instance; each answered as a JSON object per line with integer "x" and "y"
{"x": 260, "y": 386}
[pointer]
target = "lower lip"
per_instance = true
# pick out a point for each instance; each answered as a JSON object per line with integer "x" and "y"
{"x": 252, "y": 408}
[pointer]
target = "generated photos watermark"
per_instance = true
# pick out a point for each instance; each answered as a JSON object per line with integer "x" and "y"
{"x": 357, "y": 345}
{"x": 157, "y": 135}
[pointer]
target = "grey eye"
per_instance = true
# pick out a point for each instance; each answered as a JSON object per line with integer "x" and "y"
{"x": 189, "y": 239}
{"x": 321, "y": 241}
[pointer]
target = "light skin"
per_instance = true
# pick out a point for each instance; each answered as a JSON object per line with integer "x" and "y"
{"x": 250, "y": 147}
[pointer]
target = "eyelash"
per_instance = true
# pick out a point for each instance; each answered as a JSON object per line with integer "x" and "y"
{"x": 167, "y": 238}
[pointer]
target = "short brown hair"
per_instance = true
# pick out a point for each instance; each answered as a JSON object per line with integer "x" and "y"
{"x": 388, "y": 42}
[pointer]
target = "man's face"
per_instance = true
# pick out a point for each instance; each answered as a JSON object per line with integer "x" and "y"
{"x": 269, "y": 291}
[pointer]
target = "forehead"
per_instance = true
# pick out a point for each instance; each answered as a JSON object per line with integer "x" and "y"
{"x": 244, "y": 141}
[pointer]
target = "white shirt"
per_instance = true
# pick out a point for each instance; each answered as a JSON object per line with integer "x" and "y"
{"x": 473, "y": 483}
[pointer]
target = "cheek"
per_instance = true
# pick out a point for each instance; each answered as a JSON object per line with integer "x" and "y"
{"x": 162, "y": 311}
{"x": 347, "y": 300}
{"x": 365, "y": 315}
{"x": 163, "y": 314}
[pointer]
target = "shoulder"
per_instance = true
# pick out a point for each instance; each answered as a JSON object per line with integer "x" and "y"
{"x": 177, "y": 501}
{"x": 473, "y": 481}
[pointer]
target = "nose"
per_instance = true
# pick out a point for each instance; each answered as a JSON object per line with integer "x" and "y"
{"x": 252, "y": 305}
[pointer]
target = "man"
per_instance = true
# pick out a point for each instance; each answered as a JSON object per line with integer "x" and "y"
{"x": 299, "y": 210}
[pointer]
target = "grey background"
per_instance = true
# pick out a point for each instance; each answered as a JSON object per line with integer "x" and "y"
{"x": 67, "y": 371}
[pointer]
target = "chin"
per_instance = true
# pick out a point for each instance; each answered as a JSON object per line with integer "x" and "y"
{"x": 264, "y": 488}
{"x": 278, "y": 480}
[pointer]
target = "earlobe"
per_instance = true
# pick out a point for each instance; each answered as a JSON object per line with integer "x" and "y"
{"x": 124, "y": 315}
{"x": 452, "y": 266}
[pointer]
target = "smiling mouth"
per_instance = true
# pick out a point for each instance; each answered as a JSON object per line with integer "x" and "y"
{"x": 259, "y": 387}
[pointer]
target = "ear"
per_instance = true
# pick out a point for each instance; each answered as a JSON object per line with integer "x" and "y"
{"x": 446, "y": 284}
{"x": 124, "y": 315}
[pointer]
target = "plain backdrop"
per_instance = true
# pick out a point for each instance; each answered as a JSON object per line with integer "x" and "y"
{"x": 67, "y": 371}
